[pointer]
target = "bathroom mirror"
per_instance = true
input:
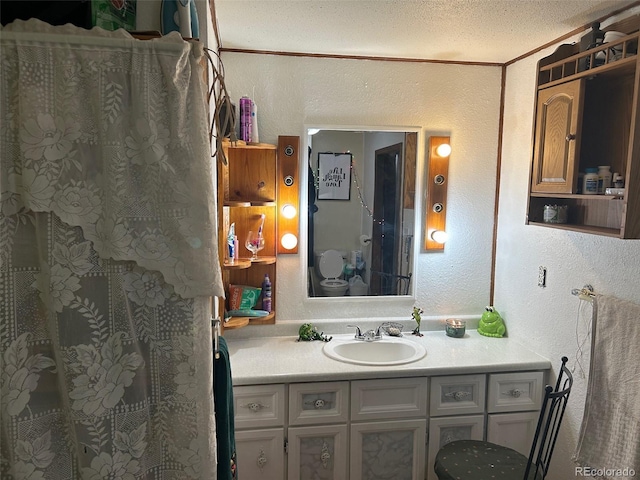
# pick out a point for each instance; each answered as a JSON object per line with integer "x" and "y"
{"x": 361, "y": 211}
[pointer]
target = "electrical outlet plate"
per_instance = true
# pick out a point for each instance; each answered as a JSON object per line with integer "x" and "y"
{"x": 542, "y": 277}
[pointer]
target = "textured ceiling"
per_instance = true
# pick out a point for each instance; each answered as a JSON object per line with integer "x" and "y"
{"x": 494, "y": 31}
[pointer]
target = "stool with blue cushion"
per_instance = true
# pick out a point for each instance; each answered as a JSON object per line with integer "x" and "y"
{"x": 478, "y": 460}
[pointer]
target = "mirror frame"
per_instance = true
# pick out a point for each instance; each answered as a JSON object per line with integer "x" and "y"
{"x": 401, "y": 301}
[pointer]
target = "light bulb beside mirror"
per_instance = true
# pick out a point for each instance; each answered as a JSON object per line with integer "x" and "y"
{"x": 443, "y": 150}
{"x": 439, "y": 236}
{"x": 289, "y": 211}
{"x": 289, "y": 241}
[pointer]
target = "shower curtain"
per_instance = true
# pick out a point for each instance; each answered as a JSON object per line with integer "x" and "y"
{"x": 108, "y": 256}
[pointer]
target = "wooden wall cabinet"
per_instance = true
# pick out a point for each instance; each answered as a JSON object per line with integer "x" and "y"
{"x": 587, "y": 115}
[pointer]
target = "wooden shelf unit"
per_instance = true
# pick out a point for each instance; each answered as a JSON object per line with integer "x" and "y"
{"x": 588, "y": 114}
{"x": 246, "y": 191}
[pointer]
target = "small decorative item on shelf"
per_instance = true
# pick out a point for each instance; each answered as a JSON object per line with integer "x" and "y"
{"x": 254, "y": 243}
{"x": 491, "y": 323}
{"x": 417, "y": 316}
{"x": 392, "y": 329}
{"x": 455, "y": 328}
{"x": 308, "y": 333}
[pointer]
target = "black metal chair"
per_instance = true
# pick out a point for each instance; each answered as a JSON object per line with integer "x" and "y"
{"x": 477, "y": 460}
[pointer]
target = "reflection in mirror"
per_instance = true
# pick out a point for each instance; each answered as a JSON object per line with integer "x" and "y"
{"x": 361, "y": 210}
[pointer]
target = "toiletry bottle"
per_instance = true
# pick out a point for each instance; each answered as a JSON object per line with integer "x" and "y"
{"x": 590, "y": 186}
{"x": 245, "y": 119}
{"x": 604, "y": 178}
{"x": 618, "y": 180}
{"x": 254, "y": 123}
{"x": 266, "y": 293}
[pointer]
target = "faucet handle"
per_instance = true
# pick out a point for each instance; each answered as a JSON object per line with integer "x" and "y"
{"x": 358, "y": 331}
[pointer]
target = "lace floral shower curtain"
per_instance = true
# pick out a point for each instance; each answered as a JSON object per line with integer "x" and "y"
{"x": 107, "y": 257}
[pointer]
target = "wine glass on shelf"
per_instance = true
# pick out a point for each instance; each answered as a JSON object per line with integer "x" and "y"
{"x": 254, "y": 243}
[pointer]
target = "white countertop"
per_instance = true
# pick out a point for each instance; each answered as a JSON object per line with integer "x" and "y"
{"x": 284, "y": 360}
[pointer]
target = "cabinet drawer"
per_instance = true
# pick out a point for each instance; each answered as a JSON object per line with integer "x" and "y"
{"x": 457, "y": 395}
{"x": 322, "y": 402}
{"x": 261, "y": 454}
{"x": 388, "y": 398}
{"x": 511, "y": 392}
{"x": 259, "y": 406}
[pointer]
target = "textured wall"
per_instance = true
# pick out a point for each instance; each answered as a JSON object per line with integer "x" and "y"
{"x": 462, "y": 101}
{"x": 550, "y": 320}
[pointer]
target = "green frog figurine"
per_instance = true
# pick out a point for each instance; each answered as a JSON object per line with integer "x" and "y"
{"x": 491, "y": 324}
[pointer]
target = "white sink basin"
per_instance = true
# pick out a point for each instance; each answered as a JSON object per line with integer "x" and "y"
{"x": 388, "y": 351}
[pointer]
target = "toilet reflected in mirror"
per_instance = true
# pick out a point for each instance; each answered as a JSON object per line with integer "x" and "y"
{"x": 330, "y": 265}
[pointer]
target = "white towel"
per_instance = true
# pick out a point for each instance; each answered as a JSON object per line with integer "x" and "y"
{"x": 609, "y": 439}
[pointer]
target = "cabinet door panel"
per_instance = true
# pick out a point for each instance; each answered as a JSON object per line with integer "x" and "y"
{"x": 383, "y": 450}
{"x": 318, "y": 453}
{"x": 443, "y": 430}
{"x": 557, "y": 138}
{"x": 260, "y": 454}
{"x": 513, "y": 430}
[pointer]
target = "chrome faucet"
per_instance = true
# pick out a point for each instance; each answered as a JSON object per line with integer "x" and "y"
{"x": 368, "y": 336}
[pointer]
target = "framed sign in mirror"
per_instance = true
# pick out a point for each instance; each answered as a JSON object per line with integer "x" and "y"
{"x": 334, "y": 176}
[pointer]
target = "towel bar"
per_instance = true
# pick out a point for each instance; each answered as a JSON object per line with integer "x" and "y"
{"x": 584, "y": 293}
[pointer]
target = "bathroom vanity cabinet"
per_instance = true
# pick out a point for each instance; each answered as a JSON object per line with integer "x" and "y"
{"x": 377, "y": 428}
{"x": 246, "y": 191}
{"x": 587, "y": 114}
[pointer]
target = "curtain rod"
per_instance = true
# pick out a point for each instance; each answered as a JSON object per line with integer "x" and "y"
{"x": 169, "y": 42}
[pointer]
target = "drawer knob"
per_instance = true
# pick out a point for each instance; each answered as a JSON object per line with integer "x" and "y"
{"x": 515, "y": 393}
{"x": 261, "y": 460}
{"x": 570, "y": 137}
{"x": 458, "y": 396}
{"x": 318, "y": 403}
{"x": 255, "y": 406}
{"x": 325, "y": 455}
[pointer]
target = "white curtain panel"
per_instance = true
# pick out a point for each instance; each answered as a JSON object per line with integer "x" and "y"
{"x": 108, "y": 256}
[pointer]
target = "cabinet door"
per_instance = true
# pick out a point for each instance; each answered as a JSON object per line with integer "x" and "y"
{"x": 447, "y": 429}
{"x": 383, "y": 450}
{"x": 557, "y": 138}
{"x": 318, "y": 453}
{"x": 260, "y": 454}
{"x": 513, "y": 430}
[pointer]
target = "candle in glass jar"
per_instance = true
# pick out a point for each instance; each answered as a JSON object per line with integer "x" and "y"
{"x": 455, "y": 328}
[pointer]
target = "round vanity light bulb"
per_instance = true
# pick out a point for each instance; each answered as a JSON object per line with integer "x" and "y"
{"x": 439, "y": 236}
{"x": 289, "y": 211}
{"x": 289, "y": 241}
{"x": 444, "y": 150}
